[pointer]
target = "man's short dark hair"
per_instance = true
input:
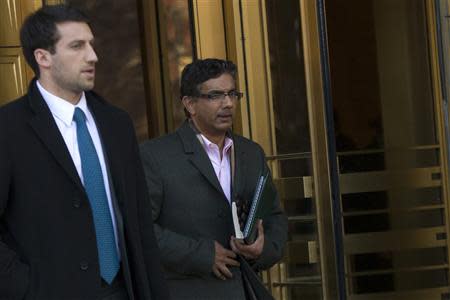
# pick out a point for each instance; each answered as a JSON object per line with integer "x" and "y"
{"x": 39, "y": 30}
{"x": 202, "y": 70}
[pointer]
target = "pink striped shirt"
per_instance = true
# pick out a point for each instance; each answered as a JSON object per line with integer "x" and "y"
{"x": 222, "y": 166}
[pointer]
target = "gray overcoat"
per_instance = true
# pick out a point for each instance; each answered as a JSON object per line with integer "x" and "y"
{"x": 190, "y": 212}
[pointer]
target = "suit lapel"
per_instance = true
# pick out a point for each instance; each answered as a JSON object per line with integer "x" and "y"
{"x": 106, "y": 129}
{"x": 197, "y": 155}
{"x": 239, "y": 168}
{"x": 45, "y": 128}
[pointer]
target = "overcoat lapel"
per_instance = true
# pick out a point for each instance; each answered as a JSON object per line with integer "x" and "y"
{"x": 111, "y": 149}
{"x": 46, "y": 129}
{"x": 239, "y": 169}
{"x": 197, "y": 155}
{"x": 106, "y": 127}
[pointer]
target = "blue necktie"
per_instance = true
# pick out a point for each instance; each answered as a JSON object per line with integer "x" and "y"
{"x": 95, "y": 190}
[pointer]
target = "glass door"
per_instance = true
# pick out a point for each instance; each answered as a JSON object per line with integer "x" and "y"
{"x": 292, "y": 159}
{"x": 391, "y": 152}
{"x": 276, "y": 46}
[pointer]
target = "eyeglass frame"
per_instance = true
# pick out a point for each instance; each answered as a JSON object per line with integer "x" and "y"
{"x": 220, "y": 96}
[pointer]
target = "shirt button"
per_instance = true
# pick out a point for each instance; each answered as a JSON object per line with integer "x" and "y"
{"x": 84, "y": 266}
{"x": 76, "y": 203}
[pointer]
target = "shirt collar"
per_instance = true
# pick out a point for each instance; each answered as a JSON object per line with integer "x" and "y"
{"x": 62, "y": 109}
{"x": 227, "y": 143}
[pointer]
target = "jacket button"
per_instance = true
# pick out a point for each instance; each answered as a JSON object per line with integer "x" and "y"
{"x": 222, "y": 213}
{"x": 84, "y": 266}
{"x": 76, "y": 203}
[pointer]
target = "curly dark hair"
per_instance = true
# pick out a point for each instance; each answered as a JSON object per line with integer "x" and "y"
{"x": 39, "y": 30}
{"x": 202, "y": 70}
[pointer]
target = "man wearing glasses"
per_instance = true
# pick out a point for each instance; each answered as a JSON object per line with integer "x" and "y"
{"x": 194, "y": 175}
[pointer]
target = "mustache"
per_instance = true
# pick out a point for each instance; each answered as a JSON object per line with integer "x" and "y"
{"x": 225, "y": 114}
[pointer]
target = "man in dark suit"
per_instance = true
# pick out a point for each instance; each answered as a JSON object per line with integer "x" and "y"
{"x": 194, "y": 175}
{"x": 74, "y": 208}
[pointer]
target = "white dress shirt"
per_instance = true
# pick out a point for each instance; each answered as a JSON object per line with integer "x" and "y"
{"x": 62, "y": 112}
{"x": 220, "y": 163}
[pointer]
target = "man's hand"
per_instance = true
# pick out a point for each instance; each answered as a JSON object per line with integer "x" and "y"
{"x": 252, "y": 251}
{"x": 222, "y": 260}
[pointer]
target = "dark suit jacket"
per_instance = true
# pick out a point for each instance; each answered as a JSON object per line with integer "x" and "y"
{"x": 190, "y": 211}
{"x": 47, "y": 237}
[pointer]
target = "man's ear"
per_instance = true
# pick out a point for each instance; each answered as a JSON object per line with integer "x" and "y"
{"x": 188, "y": 103}
{"x": 43, "y": 58}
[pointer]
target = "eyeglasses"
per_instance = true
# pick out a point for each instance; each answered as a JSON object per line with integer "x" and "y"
{"x": 220, "y": 96}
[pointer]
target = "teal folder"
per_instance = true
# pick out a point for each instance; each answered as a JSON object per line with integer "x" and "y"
{"x": 262, "y": 202}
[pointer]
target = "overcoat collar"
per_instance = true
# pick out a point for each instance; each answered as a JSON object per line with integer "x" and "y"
{"x": 46, "y": 129}
{"x": 199, "y": 158}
